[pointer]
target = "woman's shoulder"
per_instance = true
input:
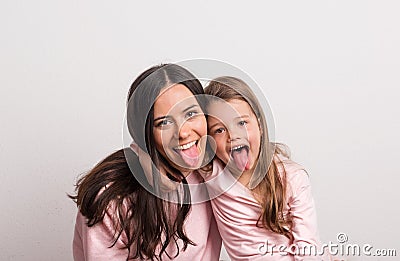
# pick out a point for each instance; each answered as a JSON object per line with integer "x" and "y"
{"x": 111, "y": 180}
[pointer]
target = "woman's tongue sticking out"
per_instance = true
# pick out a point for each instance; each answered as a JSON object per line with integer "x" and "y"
{"x": 190, "y": 155}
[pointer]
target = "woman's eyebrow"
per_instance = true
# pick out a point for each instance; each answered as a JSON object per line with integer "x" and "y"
{"x": 190, "y": 107}
{"x": 168, "y": 116}
{"x": 162, "y": 117}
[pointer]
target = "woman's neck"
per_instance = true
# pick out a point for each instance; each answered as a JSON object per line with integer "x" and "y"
{"x": 186, "y": 173}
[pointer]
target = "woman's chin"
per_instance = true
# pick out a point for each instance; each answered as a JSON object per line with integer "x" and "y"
{"x": 185, "y": 165}
{"x": 192, "y": 161}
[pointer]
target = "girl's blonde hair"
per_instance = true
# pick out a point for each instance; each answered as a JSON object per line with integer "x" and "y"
{"x": 266, "y": 179}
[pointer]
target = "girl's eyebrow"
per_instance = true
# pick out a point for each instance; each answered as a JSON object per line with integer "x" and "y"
{"x": 215, "y": 124}
{"x": 168, "y": 116}
{"x": 212, "y": 126}
{"x": 246, "y": 116}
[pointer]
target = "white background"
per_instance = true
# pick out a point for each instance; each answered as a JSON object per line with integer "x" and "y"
{"x": 330, "y": 70}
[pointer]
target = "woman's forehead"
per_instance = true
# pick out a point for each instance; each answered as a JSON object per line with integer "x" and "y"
{"x": 174, "y": 98}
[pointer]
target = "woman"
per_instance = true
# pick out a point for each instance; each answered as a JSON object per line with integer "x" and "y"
{"x": 121, "y": 216}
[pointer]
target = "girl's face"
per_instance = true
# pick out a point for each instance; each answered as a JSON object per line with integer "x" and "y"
{"x": 180, "y": 127}
{"x": 235, "y": 129}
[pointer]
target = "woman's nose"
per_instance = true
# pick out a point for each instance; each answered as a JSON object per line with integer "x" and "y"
{"x": 184, "y": 130}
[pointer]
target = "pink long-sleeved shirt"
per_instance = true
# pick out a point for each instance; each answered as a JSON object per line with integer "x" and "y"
{"x": 237, "y": 212}
{"x": 92, "y": 243}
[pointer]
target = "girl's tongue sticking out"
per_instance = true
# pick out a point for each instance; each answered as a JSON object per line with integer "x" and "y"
{"x": 240, "y": 156}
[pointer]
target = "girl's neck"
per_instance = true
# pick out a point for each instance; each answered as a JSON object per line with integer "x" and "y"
{"x": 245, "y": 177}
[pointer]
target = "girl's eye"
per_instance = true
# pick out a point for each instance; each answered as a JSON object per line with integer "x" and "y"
{"x": 242, "y": 123}
{"x": 219, "y": 130}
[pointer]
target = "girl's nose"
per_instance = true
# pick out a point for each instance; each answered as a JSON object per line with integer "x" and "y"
{"x": 232, "y": 139}
{"x": 236, "y": 134}
{"x": 232, "y": 136}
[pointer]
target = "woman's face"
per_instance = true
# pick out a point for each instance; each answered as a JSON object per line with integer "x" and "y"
{"x": 180, "y": 127}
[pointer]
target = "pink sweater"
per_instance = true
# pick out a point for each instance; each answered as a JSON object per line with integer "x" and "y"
{"x": 93, "y": 243}
{"x": 237, "y": 212}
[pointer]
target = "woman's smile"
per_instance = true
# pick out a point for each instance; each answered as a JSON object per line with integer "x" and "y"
{"x": 179, "y": 127}
{"x": 189, "y": 152}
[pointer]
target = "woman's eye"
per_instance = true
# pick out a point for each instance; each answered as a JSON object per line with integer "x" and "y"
{"x": 164, "y": 122}
{"x": 191, "y": 114}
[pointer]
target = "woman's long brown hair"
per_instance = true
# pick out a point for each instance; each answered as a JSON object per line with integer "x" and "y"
{"x": 117, "y": 185}
{"x": 268, "y": 183}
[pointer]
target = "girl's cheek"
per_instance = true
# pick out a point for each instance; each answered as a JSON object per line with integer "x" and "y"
{"x": 219, "y": 148}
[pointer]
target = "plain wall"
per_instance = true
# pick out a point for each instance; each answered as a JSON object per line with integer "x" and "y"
{"x": 330, "y": 70}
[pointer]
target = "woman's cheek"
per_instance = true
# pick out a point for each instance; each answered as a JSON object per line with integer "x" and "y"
{"x": 162, "y": 139}
{"x": 201, "y": 126}
{"x": 157, "y": 137}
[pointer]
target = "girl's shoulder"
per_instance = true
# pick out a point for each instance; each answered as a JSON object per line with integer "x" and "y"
{"x": 211, "y": 170}
{"x": 291, "y": 167}
{"x": 296, "y": 175}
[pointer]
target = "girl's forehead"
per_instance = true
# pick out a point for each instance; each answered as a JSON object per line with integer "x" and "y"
{"x": 229, "y": 109}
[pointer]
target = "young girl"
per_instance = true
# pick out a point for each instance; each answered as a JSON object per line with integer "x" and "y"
{"x": 122, "y": 216}
{"x": 261, "y": 199}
